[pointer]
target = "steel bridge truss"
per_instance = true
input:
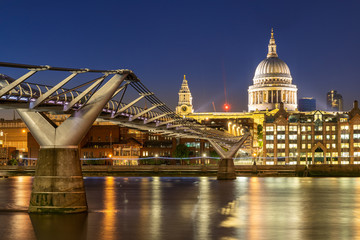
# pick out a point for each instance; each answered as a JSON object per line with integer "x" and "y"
{"x": 122, "y": 107}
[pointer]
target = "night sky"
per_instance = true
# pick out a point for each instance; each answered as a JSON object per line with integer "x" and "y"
{"x": 212, "y": 42}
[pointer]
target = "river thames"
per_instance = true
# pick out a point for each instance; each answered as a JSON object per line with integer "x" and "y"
{"x": 192, "y": 208}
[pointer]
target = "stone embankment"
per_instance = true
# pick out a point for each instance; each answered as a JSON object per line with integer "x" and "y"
{"x": 324, "y": 170}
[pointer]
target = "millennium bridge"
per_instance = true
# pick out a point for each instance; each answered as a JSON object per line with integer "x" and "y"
{"x": 91, "y": 95}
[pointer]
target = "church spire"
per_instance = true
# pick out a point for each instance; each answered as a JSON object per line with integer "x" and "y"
{"x": 272, "y": 46}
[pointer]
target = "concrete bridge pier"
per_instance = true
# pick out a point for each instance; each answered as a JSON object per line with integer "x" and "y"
{"x": 58, "y": 185}
{"x": 226, "y": 170}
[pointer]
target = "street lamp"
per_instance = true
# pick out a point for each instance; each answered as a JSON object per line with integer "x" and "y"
{"x": 254, "y": 155}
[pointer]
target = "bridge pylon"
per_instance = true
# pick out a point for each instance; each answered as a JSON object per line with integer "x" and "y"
{"x": 226, "y": 170}
{"x": 58, "y": 185}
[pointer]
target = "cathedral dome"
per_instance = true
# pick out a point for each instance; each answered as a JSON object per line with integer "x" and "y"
{"x": 272, "y": 67}
{"x": 272, "y": 83}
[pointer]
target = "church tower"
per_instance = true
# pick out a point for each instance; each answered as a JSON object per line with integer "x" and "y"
{"x": 184, "y": 106}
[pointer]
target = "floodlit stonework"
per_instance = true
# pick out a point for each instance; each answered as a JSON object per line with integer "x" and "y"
{"x": 272, "y": 83}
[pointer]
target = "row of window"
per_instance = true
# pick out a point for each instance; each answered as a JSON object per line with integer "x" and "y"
{"x": 317, "y": 137}
{"x": 308, "y": 128}
{"x": 328, "y": 154}
{"x": 309, "y": 146}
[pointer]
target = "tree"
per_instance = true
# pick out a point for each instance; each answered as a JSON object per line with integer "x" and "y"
{"x": 213, "y": 154}
{"x": 260, "y": 135}
{"x": 181, "y": 151}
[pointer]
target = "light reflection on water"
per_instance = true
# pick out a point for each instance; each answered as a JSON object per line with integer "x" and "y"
{"x": 192, "y": 208}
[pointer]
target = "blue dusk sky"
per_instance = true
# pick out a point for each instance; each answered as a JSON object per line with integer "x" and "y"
{"x": 215, "y": 43}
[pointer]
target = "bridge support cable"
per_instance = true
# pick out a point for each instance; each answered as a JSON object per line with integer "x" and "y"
{"x": 44, "y": 96}
{"x": 84, "y": 93}
{"x": 226, "y": 170}
{"x": 143, "y": 112}
{"x": 130, "y": 104}
{"x": 155, "y": 118}
{"x": 58, "y": 184}
{"x": 18, "y": 81}
{"x": 120, "y": 89}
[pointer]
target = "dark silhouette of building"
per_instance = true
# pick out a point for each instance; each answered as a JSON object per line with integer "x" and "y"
{"x": 307, "y": 104}
{"x": 334, "y": 101}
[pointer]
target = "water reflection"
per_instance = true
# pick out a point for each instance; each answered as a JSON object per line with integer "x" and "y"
{"x": 110, "y": 210}
{"x": 202, "y": 210}
{"x": 192, "y": 208}
{"x": 156, "y": 209}
{"x": 60, "y": 226}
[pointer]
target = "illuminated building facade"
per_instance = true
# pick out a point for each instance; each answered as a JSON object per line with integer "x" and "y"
{"x": 272, "y": 83}
{"x": 312, "y": 138}
{"x": 184, "y": 106}
{"x": 334, "y": 101}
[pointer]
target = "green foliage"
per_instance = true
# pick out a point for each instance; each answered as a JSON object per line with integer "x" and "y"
{"x": 213, "y": 154}
{"x": 13, "y": 162}
{"x": 260, "y": 135}
{"x": 181, "y": 151}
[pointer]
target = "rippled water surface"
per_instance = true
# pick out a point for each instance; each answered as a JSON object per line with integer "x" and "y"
{"x": 192, "y": 208}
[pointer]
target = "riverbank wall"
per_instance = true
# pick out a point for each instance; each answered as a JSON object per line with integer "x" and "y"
{"x": 324, "y": 170}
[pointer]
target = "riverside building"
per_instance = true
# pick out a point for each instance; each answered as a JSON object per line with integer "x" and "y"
{"x": 312, "y": 138}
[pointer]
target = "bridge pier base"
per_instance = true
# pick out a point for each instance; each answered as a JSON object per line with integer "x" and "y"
{"x": 58, "y": 184}
{"x": 226, "y": 169}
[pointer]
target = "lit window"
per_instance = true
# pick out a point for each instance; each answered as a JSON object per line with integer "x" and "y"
{"x": 309, "y": 128}
{"x": 269, "y": 128}
{"x": 343, "y": 119}
{"x": 356, "y": 154}
{"x": 318, "y": 128}
{"x": 357, "y": 145}
{"x": 281, "y": 128}
{"x": 356, "y": 127}
{"x": 281, "y": 136}
{"x": 345, "y": 145}
{"x": 303, "y": 137}
{"x": 269, "y": 137}
{"x": 318, "y": 137}
{"x": 293, "y": 128}
{"x": 344, "y": 154}
{"x": 309, "y": 146}
{"x": 333, "y": 128}
{"x": 293, "y": 137}
{"x": 328, "y": 137}
{"x": 328, "y": 146}
{"x": 309, "y": 137}
{"x": 303, "y": 146}
{"x": 281, "y": 154}
{"x": 269, "y": 146}
{"x": 335, "y": 154}
{"x": 281, "y": 146}
{"x": 333, "y": 137}
{"x": 344, "y": 136}
{"x": 327, "y": 128}
{"x": 344, "y": 127}
{"x": 303, "y": 128}
{"x": 356, "y": 135}
{"x": 333, "y": 145}
{"x": 292, "y": 146}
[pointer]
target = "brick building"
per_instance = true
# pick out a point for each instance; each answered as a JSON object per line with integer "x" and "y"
{"x": 312, "y": 138}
